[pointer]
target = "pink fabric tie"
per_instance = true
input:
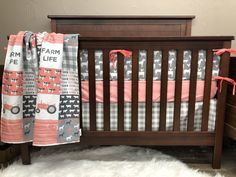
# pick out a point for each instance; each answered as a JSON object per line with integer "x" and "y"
{"x": 227, "y": 80}
{"x": 125, "y": 53}
{"x": 221, "y": 51}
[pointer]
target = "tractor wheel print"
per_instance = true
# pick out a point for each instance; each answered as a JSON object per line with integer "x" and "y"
{"x": 37, "y": 110}
{"x": 51, "y": 109}
{"x": 15, "y": 109}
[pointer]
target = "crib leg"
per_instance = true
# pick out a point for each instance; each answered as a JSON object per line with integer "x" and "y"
{"x": 216, "y": 160}
{"x": 25, "y": 153}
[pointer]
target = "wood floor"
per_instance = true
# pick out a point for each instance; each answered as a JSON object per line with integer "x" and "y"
{"x": 200, "y": 157}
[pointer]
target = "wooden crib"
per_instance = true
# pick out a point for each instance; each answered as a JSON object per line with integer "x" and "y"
{"x": 162, "y": 136}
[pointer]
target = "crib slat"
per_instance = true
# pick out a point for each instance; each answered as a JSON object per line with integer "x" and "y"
{"x": 120, "y": 69}
{"x": 106, "y": 90}
{"x": 178, "y": 90}
{"x": 207, "y": 90}
{"x": 149, "y": 88}
{"x": 92, "y": 90}
{"x": 163, "y": 98}
{"x": 192, "y": 90}
{"x": 80, "y": 90}
{"x": 135, "y": 69}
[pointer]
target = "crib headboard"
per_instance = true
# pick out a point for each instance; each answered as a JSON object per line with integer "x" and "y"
{"x": 122, "y": 26}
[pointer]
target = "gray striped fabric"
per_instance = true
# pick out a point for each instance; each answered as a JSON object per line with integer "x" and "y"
{"x": 155, "y": 117}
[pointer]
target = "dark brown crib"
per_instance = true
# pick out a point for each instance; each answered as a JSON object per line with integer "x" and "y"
{"x": 161, "y": 137}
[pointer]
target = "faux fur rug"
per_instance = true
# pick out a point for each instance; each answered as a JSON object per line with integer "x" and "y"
{"x": 115, "y": 161}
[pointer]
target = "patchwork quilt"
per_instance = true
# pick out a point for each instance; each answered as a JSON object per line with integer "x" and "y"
{"x": 40, "y": 92}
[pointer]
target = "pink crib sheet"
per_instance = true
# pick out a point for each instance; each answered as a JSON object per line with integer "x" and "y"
{"x": 142, "y": 91}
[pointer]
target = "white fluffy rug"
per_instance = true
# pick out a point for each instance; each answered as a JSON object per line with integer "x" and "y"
{"x": 116, "y": 161}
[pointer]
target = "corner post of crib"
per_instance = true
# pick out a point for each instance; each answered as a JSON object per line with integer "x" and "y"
{"x": 219, "y": 127}
{"x": 25, "y": 153}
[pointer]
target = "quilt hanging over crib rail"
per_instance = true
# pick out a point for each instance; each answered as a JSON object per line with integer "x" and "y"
{"x": 40, "y": 91}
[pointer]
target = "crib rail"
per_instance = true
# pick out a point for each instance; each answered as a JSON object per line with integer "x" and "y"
{"x": 158, "y": 42}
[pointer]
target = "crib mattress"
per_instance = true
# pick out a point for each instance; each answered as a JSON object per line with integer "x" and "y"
{"x": 155, "y": 117}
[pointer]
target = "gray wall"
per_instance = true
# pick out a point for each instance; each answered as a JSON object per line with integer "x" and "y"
{"x": 213, "y": 17}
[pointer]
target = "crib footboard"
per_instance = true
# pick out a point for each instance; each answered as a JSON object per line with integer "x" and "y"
{"x": 155, "y": 128}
